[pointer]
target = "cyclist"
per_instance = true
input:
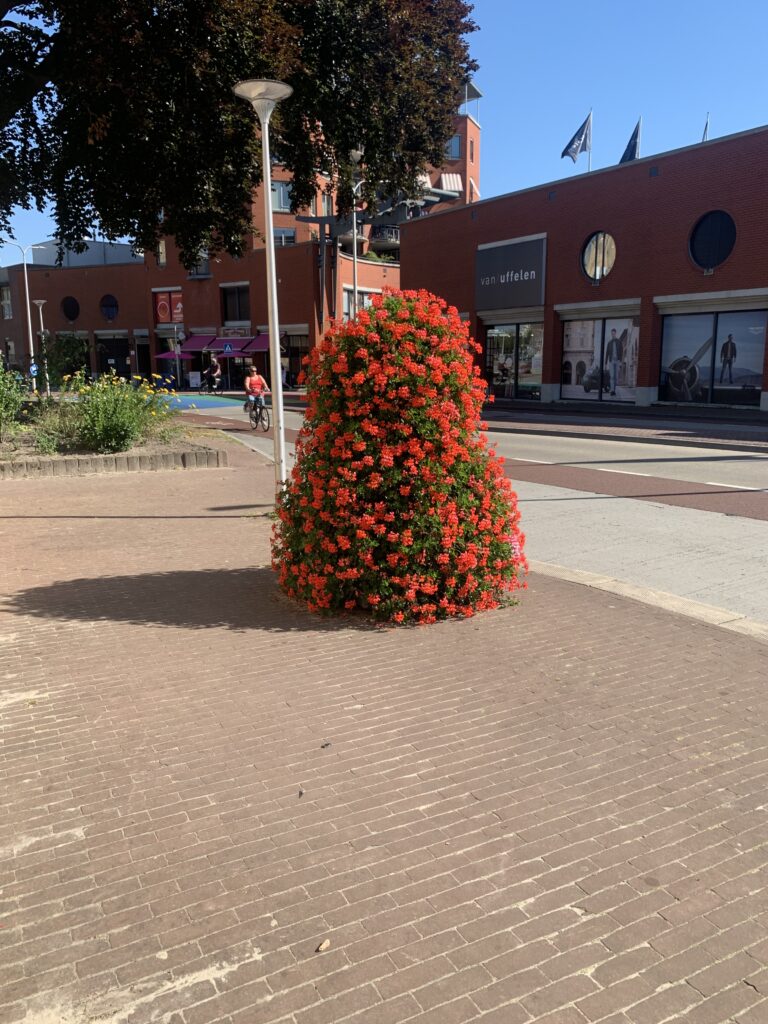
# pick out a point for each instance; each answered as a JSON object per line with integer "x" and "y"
{"x": 255, "y": 388}
{"x": 213, "y": 375}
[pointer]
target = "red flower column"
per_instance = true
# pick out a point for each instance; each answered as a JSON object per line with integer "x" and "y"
{"x": 396, "y": 505}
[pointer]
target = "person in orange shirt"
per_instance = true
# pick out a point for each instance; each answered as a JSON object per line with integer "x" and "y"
{"x": 255, "y": 388}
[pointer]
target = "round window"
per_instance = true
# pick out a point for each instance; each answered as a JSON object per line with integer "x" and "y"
{"x": 712, "y": 239}
{"x": 70, "y": 307}
{"x": 598, "y": 256}
{"x": 109, "y": 307}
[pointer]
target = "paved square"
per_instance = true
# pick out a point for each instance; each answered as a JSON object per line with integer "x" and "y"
{"x": 555, "y": 813}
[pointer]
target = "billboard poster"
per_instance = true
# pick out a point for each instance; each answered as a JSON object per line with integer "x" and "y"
{"x": 511, "y": 273}
{"x": 162, "y": 308}
{"x": 713, "y": 357}
{"x": 177, "y": 307}
{"x": 600, "y": 360}
{"x": 739, "y": 354}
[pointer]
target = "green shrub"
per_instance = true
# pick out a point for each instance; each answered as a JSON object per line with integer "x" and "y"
{"x": 46, "y": 442}
{"x": 114, "y": 414}
{"x": 12, "y": 397}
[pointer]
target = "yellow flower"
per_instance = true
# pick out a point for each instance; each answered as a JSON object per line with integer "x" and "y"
{"x": 156, "y": 376}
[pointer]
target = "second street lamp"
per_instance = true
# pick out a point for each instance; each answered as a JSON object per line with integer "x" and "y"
{"x": 43, "y": 347}
{"x": 264, "y": 95}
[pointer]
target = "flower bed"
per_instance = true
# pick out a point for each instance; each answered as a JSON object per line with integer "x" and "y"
{"x": 396, "y": 506}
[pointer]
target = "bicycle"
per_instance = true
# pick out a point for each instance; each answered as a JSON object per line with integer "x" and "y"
{"x": 258, "y": 413}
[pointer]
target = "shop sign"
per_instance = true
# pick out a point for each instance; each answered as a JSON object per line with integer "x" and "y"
{"x": 511, "y": 273}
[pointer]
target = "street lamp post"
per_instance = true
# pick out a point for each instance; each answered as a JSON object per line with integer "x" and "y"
{"x": 264, "y": 95}
{"x": 24, "y": 249}
{"x": 177, "y": 340}
{"x": 43, "y": 347}
{"x": 356, "y": 156}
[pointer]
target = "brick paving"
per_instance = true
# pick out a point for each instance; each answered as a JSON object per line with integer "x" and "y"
{"x": 554, "y": 813}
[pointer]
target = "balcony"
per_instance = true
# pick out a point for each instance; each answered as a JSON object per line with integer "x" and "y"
{"x": 384, "y": 237}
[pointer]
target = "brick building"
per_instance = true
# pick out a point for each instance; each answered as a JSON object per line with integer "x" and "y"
{"x": 637, "y": 284}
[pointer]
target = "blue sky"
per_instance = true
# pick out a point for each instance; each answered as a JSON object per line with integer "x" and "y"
{"x": 542, "y": 66}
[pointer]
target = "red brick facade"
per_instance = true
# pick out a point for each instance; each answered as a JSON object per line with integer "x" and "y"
{"x": 650, "y": 208}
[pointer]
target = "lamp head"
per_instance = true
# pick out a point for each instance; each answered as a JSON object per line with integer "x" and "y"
{"x": 254, "y": 89}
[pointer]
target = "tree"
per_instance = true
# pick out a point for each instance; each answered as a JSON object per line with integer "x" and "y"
{"x": 122, "y": 116}
{"x": 395, "y": 506}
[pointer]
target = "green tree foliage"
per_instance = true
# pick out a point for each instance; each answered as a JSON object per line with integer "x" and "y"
{"x": 121, "y": 114}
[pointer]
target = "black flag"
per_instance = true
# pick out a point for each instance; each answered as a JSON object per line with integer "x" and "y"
{"x": 632, "y": 152}
{"x": 581, "y": 141}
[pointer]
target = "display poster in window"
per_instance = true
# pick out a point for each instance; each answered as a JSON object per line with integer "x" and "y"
{"x": 177, "y": 308}
{"x": 162, "y": 308}
{"x": 600, "y": 360}
{"x": 739, "y": 358}
{"x": 510, "y": 274}
{"x": 718, "y": 357}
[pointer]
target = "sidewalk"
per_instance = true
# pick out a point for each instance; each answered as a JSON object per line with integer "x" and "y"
{"x": 552, "y": 814}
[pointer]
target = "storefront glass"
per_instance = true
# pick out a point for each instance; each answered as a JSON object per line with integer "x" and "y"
{"x": 713, "y": 357}
{"x": 513, "y": 360}
{"x": 600, "y": 360}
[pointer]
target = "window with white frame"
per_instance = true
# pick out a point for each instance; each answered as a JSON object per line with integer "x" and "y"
{"x": 363, "y": 299}
{"x": 6, "y": 309}
{"x": 285, "y": 236}
{"x": 281, "y": 196}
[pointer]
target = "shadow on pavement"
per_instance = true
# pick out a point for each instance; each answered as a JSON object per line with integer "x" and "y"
{"x": 236, "y": 599}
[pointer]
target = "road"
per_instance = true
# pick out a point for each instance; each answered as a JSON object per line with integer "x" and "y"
{"x": 671, "y": 521}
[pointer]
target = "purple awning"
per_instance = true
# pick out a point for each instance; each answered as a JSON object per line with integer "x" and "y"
{"x": 197, "y": 342}
{"x": 172, "y": 355}
{"x": 260, "y": 343}
{"x": 229, "y": 346}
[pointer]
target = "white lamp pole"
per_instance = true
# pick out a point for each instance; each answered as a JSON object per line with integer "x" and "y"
{"x": 24, "y": 249}
{"x": 40, "y": 303}
{"x": 264, "y": 95}
{"x": 357, "y": 156}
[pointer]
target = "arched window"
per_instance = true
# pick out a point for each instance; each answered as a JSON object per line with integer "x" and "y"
{"x": 109, "y": 307}
{"x": 70, "y": 307}
{"x": 712, "y": 240}
{"x": 598, "y": 256}
{"x": 581, "y": 369}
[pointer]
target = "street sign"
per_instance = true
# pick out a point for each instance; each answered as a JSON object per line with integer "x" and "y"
{"x": 33, "y": 370}
{"x": 227, "y": 346}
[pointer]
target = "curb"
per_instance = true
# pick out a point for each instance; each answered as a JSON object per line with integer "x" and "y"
{"x": 707, "y": 613}
{"x": 86, "y": 465}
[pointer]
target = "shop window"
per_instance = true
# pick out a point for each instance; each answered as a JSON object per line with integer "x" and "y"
{"x": 713, "y": 358}
{"x": 513, "y": 360}
{"x": 712, "y": 240}
{"x": 598, "y": 256}
{"x": 235, "y": 303}
{"x": 109, "y": 307}
{"x": 6, "y": 309}
{"x": 285, "y": 236}
{"x": 604, "y": 353}
{"x": 70, "y": 307}
{"x": 281, "y": 196}
{"x": 453, "y": 148}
